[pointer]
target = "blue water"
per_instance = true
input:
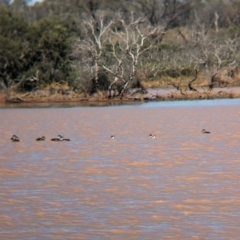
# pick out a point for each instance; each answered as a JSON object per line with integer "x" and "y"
{"x": 148, "y": 104}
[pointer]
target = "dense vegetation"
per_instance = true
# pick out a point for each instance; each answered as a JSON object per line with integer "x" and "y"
{"x": 111, "y": 46}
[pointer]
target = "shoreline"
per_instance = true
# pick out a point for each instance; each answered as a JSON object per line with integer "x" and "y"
{"x": 131, "y": 98}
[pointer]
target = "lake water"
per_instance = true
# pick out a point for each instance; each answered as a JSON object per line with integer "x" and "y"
{"x": 181, "y": 185}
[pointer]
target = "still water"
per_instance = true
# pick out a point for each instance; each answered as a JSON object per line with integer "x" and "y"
{"x": 181, "y": 185}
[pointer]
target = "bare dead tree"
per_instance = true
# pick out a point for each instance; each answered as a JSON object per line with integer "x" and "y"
{"x": 190, "y": 87}
{"x": 135, "y": 45}
{"x": 118, "y": 70}
{"x": 91, "y": 48}
{"x": 212, "y": 82}
{"x": 215, "y": 21}
{"x": 127, "y": 46}
{"x": 211, "y": 50}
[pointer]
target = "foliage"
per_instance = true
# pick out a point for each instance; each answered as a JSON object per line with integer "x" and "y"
{"x": 40, "y": 50}
{"x": 49, "y": 46}
{"x": 38, "y": 43}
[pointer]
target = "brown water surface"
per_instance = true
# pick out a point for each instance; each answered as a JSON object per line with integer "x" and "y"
{"x": 181, "y": 185}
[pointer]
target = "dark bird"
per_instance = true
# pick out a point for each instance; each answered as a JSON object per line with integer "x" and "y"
{"x": 15, "y": 138}
{"x": 152, "y": 136}
{"x": 204, "y": 131}
{"x": 63, "y": 139}
{"x": 112, "y": 137}
{"x": 66, "y": 139}
{"x": 41, "y": 138}
{"x": 55, "y": 139}
{"x": 60, "y": 138}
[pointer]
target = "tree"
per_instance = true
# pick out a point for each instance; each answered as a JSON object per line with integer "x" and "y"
{"x": 169, "y": 13}
{"x": 115, "y": 48}
{"x": 13, "y": 29}
{"x": 30, "y": 54}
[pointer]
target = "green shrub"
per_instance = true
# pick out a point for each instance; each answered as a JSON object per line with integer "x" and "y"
{"x": 39, "y": 50}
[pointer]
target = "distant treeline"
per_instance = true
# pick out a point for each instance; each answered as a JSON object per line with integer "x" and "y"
{"x": 99, "y": 45}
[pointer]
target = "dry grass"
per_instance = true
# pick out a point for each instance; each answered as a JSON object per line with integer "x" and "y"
{"x": 202, "y": 95}
{"x": 57, "y": 86}
{"x": 176, "y": 95}
{"x": 165, "y": 82}
{"x": 3, "y": 97}
{"x": 154, "y": 84}
{"x": 39, "y": 98}
{"x": 57, "y": 92}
